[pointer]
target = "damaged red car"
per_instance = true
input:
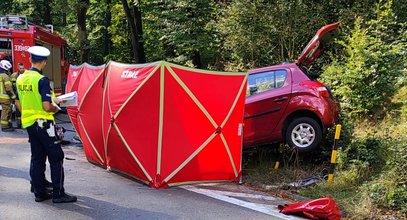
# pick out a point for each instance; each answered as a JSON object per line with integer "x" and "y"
{"x": 285, "y": 104}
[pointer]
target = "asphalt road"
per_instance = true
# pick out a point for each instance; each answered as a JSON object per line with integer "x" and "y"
{"x": 106, "y": 195}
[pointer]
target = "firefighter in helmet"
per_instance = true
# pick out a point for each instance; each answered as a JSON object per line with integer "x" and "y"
{"x": 6, "y": 95}
{"x": 13, "y": 79}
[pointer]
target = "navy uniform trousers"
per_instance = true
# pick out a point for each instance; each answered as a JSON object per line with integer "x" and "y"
{"x": 42, "y": 145}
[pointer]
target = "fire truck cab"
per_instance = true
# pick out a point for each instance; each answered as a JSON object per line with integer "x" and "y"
{"x": 17, "y": 35}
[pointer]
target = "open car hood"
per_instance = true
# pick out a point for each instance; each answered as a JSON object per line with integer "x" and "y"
{"x": 315, "y": 47}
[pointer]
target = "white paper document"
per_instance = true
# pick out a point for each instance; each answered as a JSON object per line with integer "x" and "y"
{"x": 68, "y": 99}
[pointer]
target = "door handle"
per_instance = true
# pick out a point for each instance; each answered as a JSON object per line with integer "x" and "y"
{"x": 280, "y": 99}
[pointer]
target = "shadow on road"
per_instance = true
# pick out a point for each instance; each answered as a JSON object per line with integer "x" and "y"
{"x": 99, "y": 209}
{"x": 15, "y": 173}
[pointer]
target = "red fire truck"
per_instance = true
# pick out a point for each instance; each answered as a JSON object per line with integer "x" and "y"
{"x": 17, "y": 35}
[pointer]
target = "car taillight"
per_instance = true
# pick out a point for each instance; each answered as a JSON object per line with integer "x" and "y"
{"x": 317, "y": 86}
{"x": 323, "y": 91}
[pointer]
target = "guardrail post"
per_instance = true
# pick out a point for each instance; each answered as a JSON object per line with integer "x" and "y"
{"x": 280, "y": 156}
{"x": 333, "y": 156}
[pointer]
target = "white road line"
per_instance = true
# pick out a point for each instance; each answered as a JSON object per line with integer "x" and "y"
{"x": 225, "y": 196}
{"x": 244, "y": 195}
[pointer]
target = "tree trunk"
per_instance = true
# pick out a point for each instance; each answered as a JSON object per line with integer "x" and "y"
{"x": 82, "y": 34}
{"x": 196, "y": 59}
{"x": 64, "y": 23}
{"x": 47, "y": 13}
{"x": 106, "y": 36}
{"x": 139, "y": 29}
{"x": 138, "y": 52}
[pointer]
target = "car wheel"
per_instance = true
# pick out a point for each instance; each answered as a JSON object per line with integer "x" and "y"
{"x": 303, "y": 134}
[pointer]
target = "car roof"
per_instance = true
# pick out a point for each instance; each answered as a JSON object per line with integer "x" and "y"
{"x": 274, "y": 67}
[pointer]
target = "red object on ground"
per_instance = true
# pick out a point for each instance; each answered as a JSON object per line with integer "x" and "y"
{"x": 323, "y": 208}
{"x": 162, "y": 123}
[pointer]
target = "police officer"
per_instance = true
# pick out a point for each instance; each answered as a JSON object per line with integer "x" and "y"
{"x": 6, "y": 96}
{"x": 34, "y": 100}
{"x": 13, "y": 79}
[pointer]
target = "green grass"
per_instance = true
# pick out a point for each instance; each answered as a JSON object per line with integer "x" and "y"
{"x": 370, "y": 180}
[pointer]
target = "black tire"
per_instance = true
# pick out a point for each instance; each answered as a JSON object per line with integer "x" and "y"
{"x": 303, "y": 134}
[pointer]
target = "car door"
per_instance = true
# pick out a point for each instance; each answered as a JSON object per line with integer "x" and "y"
{"x": 268, "y": 94}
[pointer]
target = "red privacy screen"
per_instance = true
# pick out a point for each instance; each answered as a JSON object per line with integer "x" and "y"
{"x": 162, "y": 123}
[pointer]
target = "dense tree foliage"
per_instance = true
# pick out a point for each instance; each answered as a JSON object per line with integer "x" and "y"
{"x": 366, "y": 76}
{"x": 223, "y": 35}
{"x": 178, "y": 30}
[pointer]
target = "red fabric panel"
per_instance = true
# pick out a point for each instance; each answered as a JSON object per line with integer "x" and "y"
{"x": 233, "y": 130}
{"x": 185, "y": 127}
{"x": 134, "y": 119}
{"x": 212, "y": 163}
{"x": 90, "y": 93}
{"x": 122, "y": 81}
{"x": 119, "y": 158}
{"x": 139, "y": 121}
{"x": 215, "y": 91}
{"x": 74, "y": 75}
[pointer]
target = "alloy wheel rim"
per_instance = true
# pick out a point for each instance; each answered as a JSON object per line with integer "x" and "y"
{"x": 303, "y": 135}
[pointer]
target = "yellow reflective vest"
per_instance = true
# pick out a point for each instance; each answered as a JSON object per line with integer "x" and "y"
{"x": 5, "y": 87}
{"x": 13, "y": 79}
{"x": 30, "y": 99}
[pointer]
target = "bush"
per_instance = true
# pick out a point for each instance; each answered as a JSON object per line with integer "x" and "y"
{"x": 368, "y": 150}
{"x": 347, "y": 129}
{"x": 390, "y": 189}
{"x": 365, "y": 77}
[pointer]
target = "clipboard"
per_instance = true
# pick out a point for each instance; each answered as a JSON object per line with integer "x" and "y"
{"x": 68, "y": 99}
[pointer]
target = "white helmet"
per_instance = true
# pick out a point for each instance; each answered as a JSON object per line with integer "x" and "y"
{"x": 5, "y": 64}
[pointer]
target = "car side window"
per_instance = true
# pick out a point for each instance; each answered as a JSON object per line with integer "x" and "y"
{"x": 264, "y": 81}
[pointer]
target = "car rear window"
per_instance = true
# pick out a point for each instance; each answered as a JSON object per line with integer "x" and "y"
{"x": 265, "y": 81}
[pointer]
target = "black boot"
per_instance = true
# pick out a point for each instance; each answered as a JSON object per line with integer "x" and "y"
{"x": 64, "y": 199}
{"x": 8, "y": 129}
{"x": 48, "y": 186}
{"x": 42, "y": 197}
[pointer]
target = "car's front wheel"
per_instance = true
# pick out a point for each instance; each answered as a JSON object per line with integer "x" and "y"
{"x": 303, "y": 134}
